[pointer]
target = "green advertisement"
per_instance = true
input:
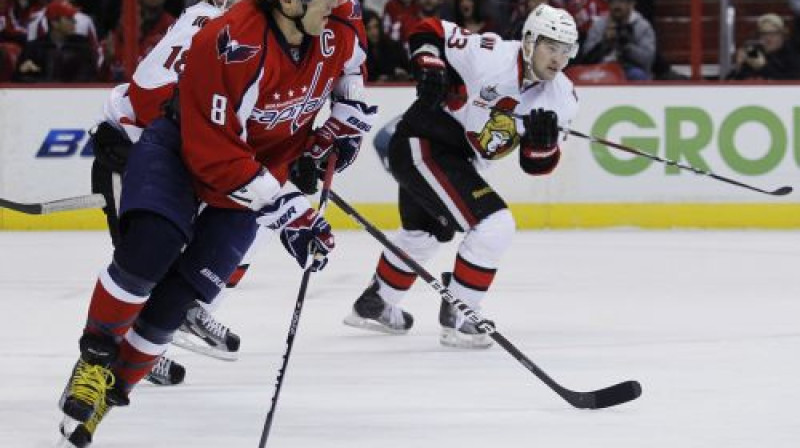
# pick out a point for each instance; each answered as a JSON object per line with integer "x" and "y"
{"x": 670, "y": 143}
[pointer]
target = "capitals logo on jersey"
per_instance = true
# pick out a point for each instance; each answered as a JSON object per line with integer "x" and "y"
{"x": 232, "y": 51}
{"x": 300, "y": 106}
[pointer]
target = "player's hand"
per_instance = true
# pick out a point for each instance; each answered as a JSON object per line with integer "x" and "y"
{"x": 345, "y": 129}
{"x": 303, "y": 232}
{"x": 430, "y": 72}
{"x": 541, "y": 133}
{"x": 304, "y": 174}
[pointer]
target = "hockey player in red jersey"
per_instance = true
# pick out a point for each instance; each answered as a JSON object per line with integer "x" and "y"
{"x": 468, "y": 86}
{"x": 253, "y": 82}
{"x": 128, "y": 110}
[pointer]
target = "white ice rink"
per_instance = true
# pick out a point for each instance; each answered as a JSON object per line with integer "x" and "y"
{"x": 708, "y": 322}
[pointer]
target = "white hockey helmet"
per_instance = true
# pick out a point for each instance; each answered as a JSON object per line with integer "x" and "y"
{"x": 553, "y": 23}
{"x": 224, "y": 4}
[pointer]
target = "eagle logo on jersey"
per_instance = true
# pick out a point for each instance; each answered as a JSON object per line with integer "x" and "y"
{"x": 499, "y": 135}
{"x": 232, "y": 51}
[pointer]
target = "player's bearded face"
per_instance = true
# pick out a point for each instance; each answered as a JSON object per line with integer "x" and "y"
{"x": 316, "y": 16}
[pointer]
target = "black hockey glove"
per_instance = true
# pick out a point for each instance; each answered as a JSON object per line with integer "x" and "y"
{"x": 541, "y": 131}
{"x": 111, "y": 147}
{"x": 305, "y": 175}
{"x": 430, "y": 72}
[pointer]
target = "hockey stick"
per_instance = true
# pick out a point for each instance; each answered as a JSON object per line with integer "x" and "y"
{"x": 782, "y": 191}
{"x": 602, "y": 398}
{"x": 298, "y": 307}
{"x": 58, "y": 205}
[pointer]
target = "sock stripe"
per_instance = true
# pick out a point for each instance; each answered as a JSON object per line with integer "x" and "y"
{"x": 473, "y": 276}
{"x": 237, "y": 275}
{"x": 117, "y": 292}
{"x": 393, "y": 276}
{"x": 137, "y": 341}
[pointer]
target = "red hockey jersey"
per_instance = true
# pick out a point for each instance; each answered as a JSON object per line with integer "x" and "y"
{"x": 248, "y": 99}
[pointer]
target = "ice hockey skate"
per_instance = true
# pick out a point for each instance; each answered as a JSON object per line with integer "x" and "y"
{"x": 457, "y": 331}
{"x": 166, "y": 372}
{"x": 91, "y": 378}
{"x": 80, "y": 436}
{"x": 371, "y": 312}
{"x": 203, "y": 334}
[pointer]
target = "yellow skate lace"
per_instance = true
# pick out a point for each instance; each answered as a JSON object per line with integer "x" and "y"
{"x": 90, "y": 382}
{"x": 100, "y": 411}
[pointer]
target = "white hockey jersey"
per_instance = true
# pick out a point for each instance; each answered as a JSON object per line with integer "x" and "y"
{"x": 133, "y": 106}
{"x": 492, "y": 71}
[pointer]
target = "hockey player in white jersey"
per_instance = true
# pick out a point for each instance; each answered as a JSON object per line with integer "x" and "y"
{"x": 470, "y": 88}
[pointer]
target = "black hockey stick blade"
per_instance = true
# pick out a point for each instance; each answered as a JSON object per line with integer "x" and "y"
{"x": 604, "y": 398}
{"x": 783, "y": 191}
{"x": 59, "y": 205}
{"x": 30, "y": 209}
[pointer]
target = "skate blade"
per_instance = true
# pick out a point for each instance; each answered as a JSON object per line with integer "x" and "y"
{"x": 450, "y": 337}
{"x": 354, "y": 320}
{"x": 66, "y": 427}
{"x": 194, "y": 344}
{"x": 64, "y": 443}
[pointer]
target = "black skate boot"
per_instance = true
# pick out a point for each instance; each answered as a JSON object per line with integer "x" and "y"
{"x": 218, "y": 341}
{"x": 166, "y": 372}
{"x": 91, "y": 378}
{"x": 371, "y": 312}
{"x": 457, "y": 331}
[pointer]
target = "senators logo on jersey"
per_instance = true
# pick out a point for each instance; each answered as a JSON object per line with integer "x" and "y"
{"x": 232, "y": 51}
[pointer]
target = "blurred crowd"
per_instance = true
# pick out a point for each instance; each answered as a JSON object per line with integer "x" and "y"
{"x": 82, "y": 40}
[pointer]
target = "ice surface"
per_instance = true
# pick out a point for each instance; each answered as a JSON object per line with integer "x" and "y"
{"x": 706, "y": 321}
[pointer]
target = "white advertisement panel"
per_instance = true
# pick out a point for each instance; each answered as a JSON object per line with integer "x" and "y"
{"x": 745, "y": 132}
{"x": 42, "y": 136}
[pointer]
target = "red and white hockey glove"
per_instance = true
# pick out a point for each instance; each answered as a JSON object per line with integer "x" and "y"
{"x": 349, "y": 122}
{"x": 304, "y": 233}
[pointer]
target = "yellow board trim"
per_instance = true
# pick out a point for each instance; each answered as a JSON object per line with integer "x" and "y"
{"x": 528, "y": 216}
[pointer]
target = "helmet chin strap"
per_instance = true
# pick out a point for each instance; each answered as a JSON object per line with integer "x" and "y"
{"x": 527, "y": 66}
{"x": 529, "y": 74}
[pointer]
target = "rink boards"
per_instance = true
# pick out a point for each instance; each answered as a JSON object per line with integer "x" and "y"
{"x": 749, "y": 133}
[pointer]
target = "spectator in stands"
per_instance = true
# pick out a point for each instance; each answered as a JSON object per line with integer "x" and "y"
{"x": 519, "y": 13}
{"x": 104, "y": 13}
{"x": 61, "y": 55}
{"x": 398, "y": 18}
{"x": 12, "y": 25}
{"x": 585, "y": 12}
{"x": 769, "y": 57}
{"x": 429, "y": 8}
{"x": 623, "y": 36}
{"x": 12, "y": 38}
{"x": 469, "y": 15}
{"x": 154, "y": 22}
{"x": 386, "y": 58}
{"x": 38, "y": 26}
{"x": 794, "y": 5}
